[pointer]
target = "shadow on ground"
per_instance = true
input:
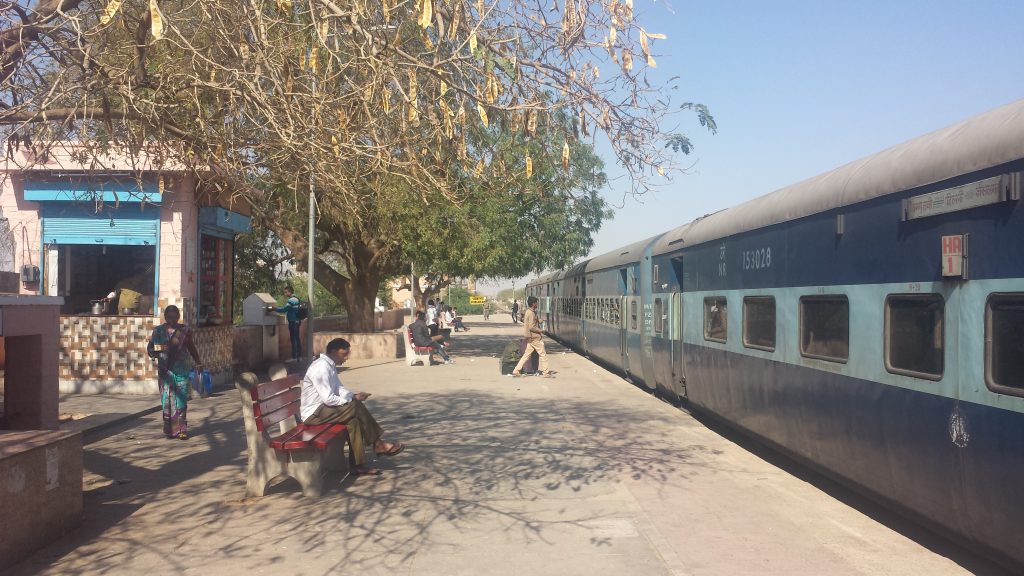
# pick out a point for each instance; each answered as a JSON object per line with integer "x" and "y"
{"x": 475, "y": 458}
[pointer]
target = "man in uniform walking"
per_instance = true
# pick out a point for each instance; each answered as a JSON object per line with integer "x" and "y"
{"x": 534, "y": 340}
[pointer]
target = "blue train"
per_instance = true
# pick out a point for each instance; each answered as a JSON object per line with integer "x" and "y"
{"x": 868, "y": 321}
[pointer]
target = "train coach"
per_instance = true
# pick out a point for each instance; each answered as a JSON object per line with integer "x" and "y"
{"x": 868, "y": 321}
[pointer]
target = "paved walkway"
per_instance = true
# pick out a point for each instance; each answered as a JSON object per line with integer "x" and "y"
{"x": 581, "y": 474}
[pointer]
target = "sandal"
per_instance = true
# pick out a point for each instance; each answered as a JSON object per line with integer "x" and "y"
{"x": 395, "y": 449}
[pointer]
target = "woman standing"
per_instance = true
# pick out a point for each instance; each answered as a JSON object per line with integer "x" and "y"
{"x": 168, "y": 344}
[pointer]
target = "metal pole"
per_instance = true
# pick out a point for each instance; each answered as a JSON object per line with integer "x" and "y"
{"x": 309, "y": 271}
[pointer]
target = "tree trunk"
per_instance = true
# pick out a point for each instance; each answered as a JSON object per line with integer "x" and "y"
{"x": 359, "y": 295}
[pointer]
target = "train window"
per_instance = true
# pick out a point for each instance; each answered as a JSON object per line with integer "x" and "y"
{"x": 716, "y": 318}
{"x": 825, "y": 327}
{"x": 632, "y": 315}
{"x": 913, "y": 335}
{"x": 655, "y": 274}
{"x": 1004, "y": 344}
{"x": 759, "y": 322}
{"x": 659, "y": 316}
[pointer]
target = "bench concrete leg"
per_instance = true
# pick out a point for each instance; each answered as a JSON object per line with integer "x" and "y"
{"x": 309, "y": 467}
{"x": 264, "y": 466}
{"x": 306, "y": 468}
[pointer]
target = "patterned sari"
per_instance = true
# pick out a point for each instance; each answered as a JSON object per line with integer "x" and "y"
{"x": 173, "y": 369}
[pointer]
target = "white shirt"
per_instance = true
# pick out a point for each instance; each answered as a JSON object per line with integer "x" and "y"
{"x": 431, "y": 315}
{"x": 321, "y": 385}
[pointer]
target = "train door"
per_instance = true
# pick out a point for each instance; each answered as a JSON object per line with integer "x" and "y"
{"x": 584, "y": 341}
{"x": 623, "y": 323}
{"x": 676, "y": 331}
{"x": 648, "y": 275}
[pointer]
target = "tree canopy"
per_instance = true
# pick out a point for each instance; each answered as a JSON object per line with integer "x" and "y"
{"x": 366, "y": 102}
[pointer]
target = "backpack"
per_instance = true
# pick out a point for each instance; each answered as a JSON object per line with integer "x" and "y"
{"x": 303, "y": 311}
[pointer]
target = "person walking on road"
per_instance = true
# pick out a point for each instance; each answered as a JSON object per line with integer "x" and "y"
{"x": 325, "y": 400}
{"x": 515, "y": 311}
{"x": 168, "y": 344}
{"x": 291, "y": 312}
{"x": 534, "y": 340}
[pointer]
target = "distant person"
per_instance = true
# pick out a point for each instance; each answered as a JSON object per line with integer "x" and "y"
{"x": 515, "y": 311}
{"x": 422, "y": 338}
{"x": 431, "y": 318}
{"x": 534, "y": 340}
{"x": 169, "y": 344}
{"x": 457, "y": 321}
{"x": 326, "y": 401}
{"x": 291, "y": 312}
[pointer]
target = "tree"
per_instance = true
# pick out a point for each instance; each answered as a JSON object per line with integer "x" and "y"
{"x": 514, "y": 221}
{"x": 358, "y": 102}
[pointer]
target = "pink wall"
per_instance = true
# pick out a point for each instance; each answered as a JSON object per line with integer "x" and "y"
{"x": 30, "y": 327}
{"x": 23, "y": 218}
{"x": 179, "y": 237}
{"x": 178, "y": 219}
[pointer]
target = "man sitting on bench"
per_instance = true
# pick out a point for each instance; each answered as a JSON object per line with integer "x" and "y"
{"x": 325, "y": 400}
{"x": 421, "y": 337}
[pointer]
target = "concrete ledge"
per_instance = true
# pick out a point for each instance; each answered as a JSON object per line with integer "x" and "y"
{"x": 365, "y": 345}
{"x": 41, "y": 499}
{"x": 139, "y": 387}
{"x": 220, "y": 379}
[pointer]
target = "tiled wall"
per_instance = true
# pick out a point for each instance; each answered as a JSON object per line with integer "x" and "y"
{"x": 114, "y": 348}
{"x": 105, "y": 348}
{"x": 214, "y": 344}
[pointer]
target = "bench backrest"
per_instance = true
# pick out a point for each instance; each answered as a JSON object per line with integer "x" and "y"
{"x": 276, "y": 401}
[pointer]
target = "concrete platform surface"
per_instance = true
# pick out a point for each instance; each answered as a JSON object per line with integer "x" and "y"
{"x": 577, "y": 475}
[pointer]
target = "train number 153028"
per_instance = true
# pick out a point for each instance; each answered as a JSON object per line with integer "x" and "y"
{"x": 757, "y": 259}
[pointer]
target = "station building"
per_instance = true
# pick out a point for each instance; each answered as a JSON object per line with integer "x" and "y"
{"x": 119, "y": 236}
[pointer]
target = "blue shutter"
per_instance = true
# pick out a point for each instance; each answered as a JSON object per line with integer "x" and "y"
{"x": 119, "y": 228}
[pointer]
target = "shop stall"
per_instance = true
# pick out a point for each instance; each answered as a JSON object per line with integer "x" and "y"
{"x": 119, "y": 244}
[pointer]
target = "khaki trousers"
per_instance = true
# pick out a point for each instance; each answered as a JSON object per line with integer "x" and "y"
{"x": 532, "y": 345}
{"x": 363, "y": 430}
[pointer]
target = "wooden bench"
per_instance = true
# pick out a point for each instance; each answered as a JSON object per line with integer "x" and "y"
{"x": 280, "y": 445}
{"x": 414, "y": 353}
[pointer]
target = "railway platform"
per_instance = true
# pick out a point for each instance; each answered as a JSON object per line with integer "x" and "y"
{"x": 582, "y": 474}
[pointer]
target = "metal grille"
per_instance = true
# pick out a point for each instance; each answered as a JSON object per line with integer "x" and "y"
{"x": 7, "y": 245}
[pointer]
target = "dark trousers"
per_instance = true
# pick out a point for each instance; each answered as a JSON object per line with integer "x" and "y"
{"x": 439, "y": 348}
{"x": 293, "y": 335}
{"x": 515, "y": 319}
{"x": 363, "y": 430}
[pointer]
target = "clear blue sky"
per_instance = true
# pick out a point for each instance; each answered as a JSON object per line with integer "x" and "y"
{"x": 801, "y": 87}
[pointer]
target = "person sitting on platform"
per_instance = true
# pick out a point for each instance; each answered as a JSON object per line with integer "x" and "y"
{"x": 457, "y": 321}
{"x": 421, "y": 337}
{"x": 326, "y": 401}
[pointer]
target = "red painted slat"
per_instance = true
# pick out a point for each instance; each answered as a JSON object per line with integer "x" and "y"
{"x": 268, "y": 420}
{"x": 279, "y": 442}
{"x": 320, "y": 442}
{"x": 267, "y": 389}
{"x": 276, "y": 402}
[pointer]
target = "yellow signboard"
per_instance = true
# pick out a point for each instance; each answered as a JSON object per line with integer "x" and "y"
{"x": 477, "y": 299}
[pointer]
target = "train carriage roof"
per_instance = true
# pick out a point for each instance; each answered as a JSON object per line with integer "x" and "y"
{"x": 671, "y": 240}
{"x": 543, "y": 279}
{"x": 984, "y": 141}
{"x": 621, "y": 257}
